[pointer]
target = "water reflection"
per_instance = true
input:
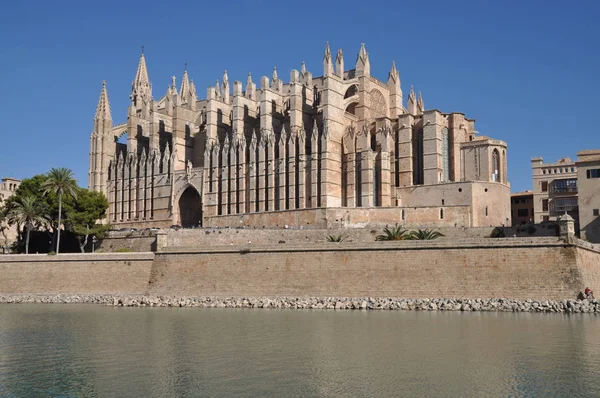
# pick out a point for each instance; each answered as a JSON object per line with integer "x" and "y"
{"x": 92, "y": 351}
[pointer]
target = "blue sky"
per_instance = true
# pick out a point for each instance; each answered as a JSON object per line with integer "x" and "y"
{"x": 527, "y": 71}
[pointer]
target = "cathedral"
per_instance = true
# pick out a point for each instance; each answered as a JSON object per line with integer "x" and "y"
{"x": 336, "y": 150}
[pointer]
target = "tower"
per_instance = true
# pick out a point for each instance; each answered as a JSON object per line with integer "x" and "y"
{"x": 101, "y": 151}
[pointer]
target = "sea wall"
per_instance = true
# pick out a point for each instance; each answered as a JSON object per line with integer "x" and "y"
{"x": 109, "y": 273}
{"x": 534, "y": 268}
{"x": 519, "y": 269}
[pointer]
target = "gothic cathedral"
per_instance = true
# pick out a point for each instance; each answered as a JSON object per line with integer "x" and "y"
{"x": 338, "y": 150}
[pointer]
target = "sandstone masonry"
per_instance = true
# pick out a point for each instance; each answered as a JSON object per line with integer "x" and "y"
{"x": 340, "y": 149}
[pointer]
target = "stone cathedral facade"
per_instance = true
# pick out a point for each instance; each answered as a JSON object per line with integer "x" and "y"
{"x": 337, "y": 150}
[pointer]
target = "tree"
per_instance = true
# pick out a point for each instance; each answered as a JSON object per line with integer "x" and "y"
{"x": 32, "y": 187}
{"x": 61, "y": 182}
{"x": 83, "y": 215}
{"x": 393, "y": 233}
{"x": 28, "y": 213}
{"x": 3, "y": 225}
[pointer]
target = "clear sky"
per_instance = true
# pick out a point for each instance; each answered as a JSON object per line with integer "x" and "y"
{"x": 527, "y": 71}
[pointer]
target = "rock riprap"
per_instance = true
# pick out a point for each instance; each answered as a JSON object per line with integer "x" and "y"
{"x": 333, "y": 303}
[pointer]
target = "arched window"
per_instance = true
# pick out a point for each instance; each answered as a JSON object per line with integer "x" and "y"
{"x": 504, "y": 166}
{"x": 496, "y": 166}
{"x": 445, "y": 156}
{"x": 417, "y": 146}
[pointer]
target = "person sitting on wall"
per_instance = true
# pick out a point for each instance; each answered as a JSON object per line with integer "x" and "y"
{"x": 588, "y": 293}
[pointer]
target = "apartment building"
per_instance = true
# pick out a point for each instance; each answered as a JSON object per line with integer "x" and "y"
{"x": 588, "y": 181}
{"x": 521, "y": 208}
{"x": 554, "y": 189}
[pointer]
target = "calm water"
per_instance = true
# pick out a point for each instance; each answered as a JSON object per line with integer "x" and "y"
{"x": 95, "y": 351}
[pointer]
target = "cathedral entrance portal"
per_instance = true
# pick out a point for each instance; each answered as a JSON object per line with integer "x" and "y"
{"x": 190, "y": 208}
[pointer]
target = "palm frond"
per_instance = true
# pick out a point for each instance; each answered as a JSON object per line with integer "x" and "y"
{"x": 424, "y": 234}
{"x": 392, "y": 233}
{"x": 60, "y": 181}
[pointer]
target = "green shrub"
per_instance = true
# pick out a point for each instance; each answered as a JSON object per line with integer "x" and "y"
{"x": 423, "y": 234}
{"x": 393, "y": 233}
{"x": 497, "y": 233}
{"x": 335, "y": 238}
{"x": 52, "y": 253}
{"x": 123, "y": 250}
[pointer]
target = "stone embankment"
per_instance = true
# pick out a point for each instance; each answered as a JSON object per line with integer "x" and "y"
{"x": 493, "y": 305}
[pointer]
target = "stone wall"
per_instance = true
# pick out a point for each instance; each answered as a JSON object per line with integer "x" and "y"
{"x": 133, "y": 241}
{"x": 533, "y": 268}
{"x": 205, "y": 237}
{"x": 536, "y": 268}
{"x": 111, "y": 273}
{"x": 349, "y": 217}
{"x": 209, "y": 237}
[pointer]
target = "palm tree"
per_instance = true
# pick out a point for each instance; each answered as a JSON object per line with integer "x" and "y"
{"x": 335, "y": 238}
{"x": 60, "y": 181}
{"x": 27, "y": 212}
{"x": 393, "y": 233}
{"x": 3, "y": 226}
{"x": 424, "y": 234}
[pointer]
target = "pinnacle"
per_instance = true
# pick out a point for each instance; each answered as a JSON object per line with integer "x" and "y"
{"x": 249, "y": 80}
{"x": 275, "y": 77}
{"x": 218, "y": 88}
{"x": 103, "y": 108}
{"x": 394, "y": 72}
{"x": 340, "y": 55}
{"x": 327, "y": 52}
{"x": 303, "y": 68}
{"x": 363, "y": 56}
{"x": 363, "y": 51}
{"x": 185, "y": 83}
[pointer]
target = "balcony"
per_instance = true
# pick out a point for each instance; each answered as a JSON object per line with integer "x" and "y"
{"x": 569, "y": 189}
{"x": 566, "y": 186}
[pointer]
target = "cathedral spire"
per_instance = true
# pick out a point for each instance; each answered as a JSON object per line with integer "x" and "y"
{"x": 363, "y": 65}
{"x": 185, "y": 84}
{"x": 327, "y": 62}
{"x": 339, "y": 63}
{"x": 103, "y": 108}
{"x": 140, "y": 87}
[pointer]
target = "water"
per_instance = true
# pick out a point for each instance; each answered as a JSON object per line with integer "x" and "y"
{"x": 95, "y": 351}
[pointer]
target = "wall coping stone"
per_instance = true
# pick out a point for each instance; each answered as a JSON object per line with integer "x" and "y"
{"x": 75, "y": 257}
{"x": 488, "y": 243}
